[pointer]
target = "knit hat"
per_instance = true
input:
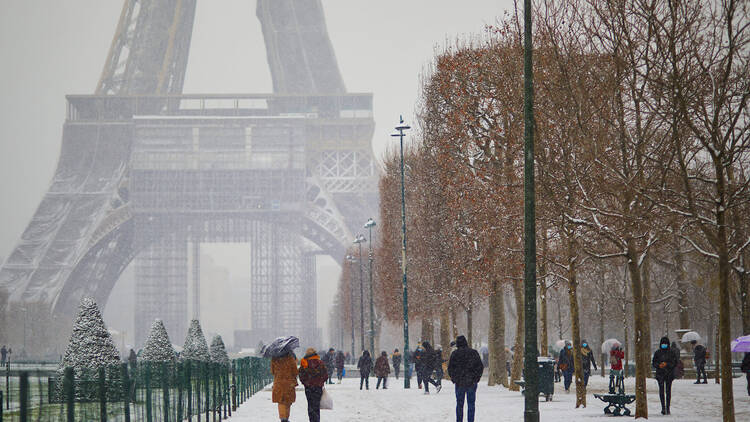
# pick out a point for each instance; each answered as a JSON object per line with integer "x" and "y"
{"x": 310, "y": 351}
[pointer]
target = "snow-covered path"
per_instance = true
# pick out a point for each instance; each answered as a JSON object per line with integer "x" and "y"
{"x": 694, "y": 403}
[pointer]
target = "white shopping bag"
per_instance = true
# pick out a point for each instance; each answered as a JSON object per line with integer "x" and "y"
{"x": 326, "y": 402}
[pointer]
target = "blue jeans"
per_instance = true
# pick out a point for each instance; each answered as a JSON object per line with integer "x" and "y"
{"x": 471, "y": 396}
{"x": 586, "y": 375}
{"x": 567, "y": 378}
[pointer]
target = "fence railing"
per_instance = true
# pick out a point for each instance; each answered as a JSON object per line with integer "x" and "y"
{"x": 145, "y": 392}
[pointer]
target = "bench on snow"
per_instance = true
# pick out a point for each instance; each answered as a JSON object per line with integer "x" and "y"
{"x": 616, "y": 403}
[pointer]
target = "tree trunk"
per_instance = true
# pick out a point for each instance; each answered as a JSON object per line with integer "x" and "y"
{"x": 517, "y": 365}
{"x": 470, "y": 326}
{"x": 497, "y": 372}
{"x": 717, "y": 357}
{"x": 543, "y": 334}
{"x": 575, "y": 327}
{"x": 445, "y": 332}
{"x": 601, "y": 340}
{"x": 454, "y": 324}
{"x": 682, "y": 298}
{"x": 727, "y": 395}
{"x": 427, "y": 330}
{"x": 640, "y": 342}
{"x": 646, "y": 285}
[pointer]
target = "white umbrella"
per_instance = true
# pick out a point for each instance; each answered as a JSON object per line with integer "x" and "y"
{"x": 609, "y": 344}
{"x": 690, "y": 336}
{"x": 559, "y": 345}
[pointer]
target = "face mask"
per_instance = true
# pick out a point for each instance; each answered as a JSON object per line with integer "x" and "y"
{"x": 570, "y": 347}
{"x": 585, "y": 345}
{"x": 664, "y": 346}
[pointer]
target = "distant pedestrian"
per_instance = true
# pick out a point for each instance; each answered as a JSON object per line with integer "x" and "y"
{"x": 565, "y": 363}
{"x": 699, "y": 358}
{"x": 284, "y": 371}
{"x": 429, "y": 363}
{"x": 365, "y": 366}
{"x": 587, "y": 359}
{"x": 679, "y": 367}
{"x": 485, "y": 352}
{"x": 340, "y": 359}
{"x": 396, "y": 359}
{"x": 3, "y": 355}
{"x": 664, "y": 362}
{"x": 313, "y": 375}
{"x": 616, "y": 380}
{"x": 328, "y": 360}
{"x": 465, "y": 369}
{"x": 132, "y": 359}
{"x": 348, "y": 358}
{"x": 439, "y": 365}
{"x": 382, "y": 369}
{"x": 746, "y": 369}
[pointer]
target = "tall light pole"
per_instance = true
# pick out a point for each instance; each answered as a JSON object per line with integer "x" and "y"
{"x": 351, "y": 260}
{"x": 358, "y": 241}
{"x": 400, "y": 128}
{"x": 531, "y": 401}
{"x": 369, "y": 225}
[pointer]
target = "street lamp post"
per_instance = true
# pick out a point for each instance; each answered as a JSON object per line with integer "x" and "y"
{"x": 531, "y": 401}
{"x": 358, "y": 241}
{"x": 351, "y": 260}
{"x": 369, "y": 225}
{"x": 400, "y": 128}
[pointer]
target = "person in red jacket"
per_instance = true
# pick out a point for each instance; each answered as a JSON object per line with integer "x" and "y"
{"x": 313, "y": 375}
{"x": 616, "y": 355}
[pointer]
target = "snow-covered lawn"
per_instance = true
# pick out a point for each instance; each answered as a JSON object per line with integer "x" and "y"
{"x": 690, "y": 403}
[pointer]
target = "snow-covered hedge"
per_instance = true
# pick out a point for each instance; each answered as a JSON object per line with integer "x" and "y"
{"x": 196, "y": 347}
{"x": 218, "y": 351}
{"x": 158, "y": 347}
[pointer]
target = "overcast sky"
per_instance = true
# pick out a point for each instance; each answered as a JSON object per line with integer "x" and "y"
{"x": 50, "y": 48}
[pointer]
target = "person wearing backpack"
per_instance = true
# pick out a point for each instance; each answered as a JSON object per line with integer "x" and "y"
{"x": 313, "y": 375}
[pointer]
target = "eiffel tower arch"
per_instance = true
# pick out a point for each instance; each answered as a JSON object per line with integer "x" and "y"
{"x": 147, "y": 173}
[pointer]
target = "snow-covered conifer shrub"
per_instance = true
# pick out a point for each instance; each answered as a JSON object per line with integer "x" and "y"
{"x": 196, "y": 347}
{"x": 218, "y": 351}
{"x": 158, "y": 348}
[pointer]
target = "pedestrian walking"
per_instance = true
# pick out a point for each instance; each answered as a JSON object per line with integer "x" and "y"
{"x": 329, "y": 361}
{"x": 616, "y": 380}
{"x": 429, "y": 363}
{"x": 565, "y": 363}
{"x": 313, "y": 374}
{"x": 340, "y": 359}
{"x": 746, "y": 369}
{"x": 417, "y": 355}
{"x": 365, "y": 366}
{"x": 587, "y": 360}
{"x": 439, "y": 362}
{"x": 284, "y": 371}
{"x": 465, "y": 369}
{"x": 699, "y": 358}
{"x": 664, "y": 362}
{"x": 396, "y": 359}
{"x": 382, "y": 369}
{"x": 3, "y": 355}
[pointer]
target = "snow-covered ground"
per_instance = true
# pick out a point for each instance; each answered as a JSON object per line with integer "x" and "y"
{"x": 690, "y": 403}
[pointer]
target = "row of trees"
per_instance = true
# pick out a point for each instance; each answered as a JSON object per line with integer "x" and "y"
{"x": 643, "y": 148}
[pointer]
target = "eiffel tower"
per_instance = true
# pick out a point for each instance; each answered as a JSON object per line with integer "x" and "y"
{"x": 147, "y": 173}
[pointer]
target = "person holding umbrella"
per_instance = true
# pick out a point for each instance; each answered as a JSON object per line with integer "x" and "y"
{"x": 739, "y": 345}
{"x": 284, "y": 371}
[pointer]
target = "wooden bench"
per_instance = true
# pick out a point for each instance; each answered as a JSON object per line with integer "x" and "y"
{"x": 616, "y": 403}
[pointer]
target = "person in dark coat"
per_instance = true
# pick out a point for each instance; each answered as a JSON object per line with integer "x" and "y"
{"x": 3, "y": 355}
{"x": 382, "y": 369}
{"x": 699, "y": 358}
{"x": 565, "y": 363}
{"x": 746, "y": 369}
{"x": 417, "y": 356}
{"x": 339, "y": 362}
{"x": 664, "y": 362}
{"x": 439, "y": 365}
{"x": 328, "y": 360}
{"x": 313, "y": 375}
{"x": 465, "y": 369}
{"x": 365, "y": 366}
{"x": 429, "y": 363}
{"x": 396, "y": 359}
{"x": 587, "y": 359}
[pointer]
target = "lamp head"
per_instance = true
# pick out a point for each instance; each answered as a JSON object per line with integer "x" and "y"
{"x": 370, "y": 223}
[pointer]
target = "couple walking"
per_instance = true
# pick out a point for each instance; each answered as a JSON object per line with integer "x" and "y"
{"x": 312, "y": 373}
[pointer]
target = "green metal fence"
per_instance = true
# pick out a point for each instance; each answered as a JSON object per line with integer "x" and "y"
{"x": 150, "y": 392}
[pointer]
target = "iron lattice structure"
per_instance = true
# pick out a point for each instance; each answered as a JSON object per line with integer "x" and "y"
{"x": 147, "y": 173}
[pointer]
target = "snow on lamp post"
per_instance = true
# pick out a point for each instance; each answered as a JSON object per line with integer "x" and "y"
{"x": 351, "y": 260}
{"x": 358, "y": 241}
{"x": 369, "y": 225}
{"x": 400, "y": 128}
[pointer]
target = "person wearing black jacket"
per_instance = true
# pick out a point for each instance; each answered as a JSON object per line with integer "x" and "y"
{"x": 746, "y": 369}
{"x": 587, "y": 359}
{"x": 417, "y": 356}
{"x": 664, "y": 362}
{"x": 699, "y": 357}
{"x": 396, "y": 358}
{"x": 465, "y": 369}
{"x": 365, "y": 366}
{"x": 429, "y": 363}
